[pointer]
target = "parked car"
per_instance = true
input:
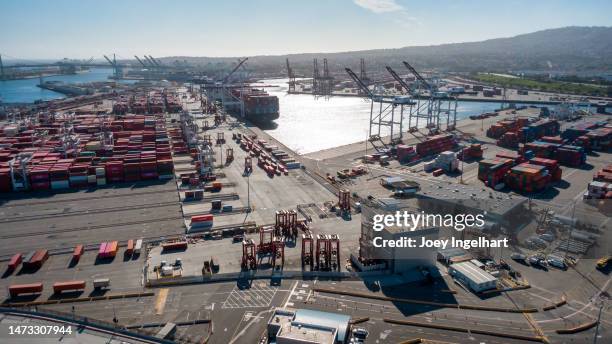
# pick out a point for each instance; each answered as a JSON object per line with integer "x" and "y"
{"x": 518, "y": 257}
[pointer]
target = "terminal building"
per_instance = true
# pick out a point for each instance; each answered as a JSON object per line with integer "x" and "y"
{"x": 305, "y": 326}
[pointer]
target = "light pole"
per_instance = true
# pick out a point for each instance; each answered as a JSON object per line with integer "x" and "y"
{"x": 601, "y": 304}
{"x": 572, "y": 224}
{"x": 248, "y": 194}
{"x": 462, "y": 160}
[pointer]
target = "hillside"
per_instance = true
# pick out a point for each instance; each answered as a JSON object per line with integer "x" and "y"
{"x": 570, "y": 49}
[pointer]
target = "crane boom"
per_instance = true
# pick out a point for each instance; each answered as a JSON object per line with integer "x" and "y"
{"x": 417, "y": 75}
{"x": 359, "y": 83}
{"x": 154, "y": 61}
{"x": 109, "y": 60}
{"x": 398, "y": 78}
{"x": 139, "y": 60}
{"x": 240, "y": 63}
{"x": 151, "y": 64}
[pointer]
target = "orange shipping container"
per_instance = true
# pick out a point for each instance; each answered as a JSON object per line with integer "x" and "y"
{"x": 130, "y": 247}
{"x": 58, "y": 287}
{"x": 78, "y": 252}
{"x": 111, "y": 249}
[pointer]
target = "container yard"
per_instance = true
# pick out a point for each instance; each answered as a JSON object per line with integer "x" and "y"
{"x": 239, "y": 173}
{"x": 159, "y": 208}
{"x": 149, "y": 199}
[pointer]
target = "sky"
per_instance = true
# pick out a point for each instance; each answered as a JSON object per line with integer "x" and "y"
{"x": 41, "y": 29}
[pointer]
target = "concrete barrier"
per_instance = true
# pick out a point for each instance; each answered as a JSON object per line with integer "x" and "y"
{"x": 420, "y": 302}
{"x": 577, "y": 329}
{"x": 412, "y": 341}
{"x": 502, "y": 290}
{"x": 260, "y": 274}
{"x": 359, "y": 320}
{"x": 555, "y": 305}
{"x": 465, "y": 330}
{"x": 77, "y": 299}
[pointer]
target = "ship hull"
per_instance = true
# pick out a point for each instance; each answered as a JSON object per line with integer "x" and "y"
{"x": 262, "y": 117}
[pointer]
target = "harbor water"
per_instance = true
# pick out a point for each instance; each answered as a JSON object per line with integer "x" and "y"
{"x": 308, "y": 124}
{"x": 26, "y": 91}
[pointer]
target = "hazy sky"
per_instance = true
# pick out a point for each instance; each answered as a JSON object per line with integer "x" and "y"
{"x": 85, "y": 28}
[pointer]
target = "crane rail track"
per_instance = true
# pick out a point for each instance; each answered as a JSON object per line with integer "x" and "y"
{"x": 79, "y": 199}
{"x": 88, "y": 212}
{"x": 76, "y": 229}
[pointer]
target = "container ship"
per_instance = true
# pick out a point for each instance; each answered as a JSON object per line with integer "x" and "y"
{"x": 259, "y": 106}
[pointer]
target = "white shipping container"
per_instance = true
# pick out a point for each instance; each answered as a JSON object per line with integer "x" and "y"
{"x": 138, "y": 246}
{"x": 101, "y": 283}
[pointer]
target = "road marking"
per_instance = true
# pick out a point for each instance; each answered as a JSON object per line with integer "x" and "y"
{"x": 291, "y": 293}
{"x": 257, "y": 296}
{"x": 160, "y": 301}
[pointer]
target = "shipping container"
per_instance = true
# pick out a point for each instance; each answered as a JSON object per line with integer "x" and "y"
{"x": 31, "y": 288}
{"x": 174, "y": 245}
{"x": 59, "y": 287}
{"x": 37, "y": 260}
{"x": 138, "y": 246}
{"x": 14, "y": 262}
{"x": 78, "y": 252}
{"x": 130, "y": 247}
{"x": 111, "y": 249}
{"x": 102, "y": 250}
{"x": 101, "y": 283}
{"x": 202, "y": 220}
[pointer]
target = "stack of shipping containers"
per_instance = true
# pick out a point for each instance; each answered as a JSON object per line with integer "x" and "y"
{"x": 105, "y": 149}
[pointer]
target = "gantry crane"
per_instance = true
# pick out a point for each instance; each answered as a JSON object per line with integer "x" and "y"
{"x": 321, "y": 84}
{"x": 223, "y": 88}
{"x": 386, "y": 114}
{"x": 363, "y": 75}
{"x": 434, "y": 107}
{"x": 157, "y": 63}
{"x": 116, "y": 68}
{"x": 140, "y": 61}
{"x": 291, "y": 76}
{"x": 418, "y": 76}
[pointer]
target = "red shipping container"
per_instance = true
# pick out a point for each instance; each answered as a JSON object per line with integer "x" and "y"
{"x": 59, "y": 287}
{"x": 201, "y": 218}
{"x": 175, "y": 245}
{"x": 37, "y": 260}
{"x": 31, "y": 288}
{"x": 15, "y": 261}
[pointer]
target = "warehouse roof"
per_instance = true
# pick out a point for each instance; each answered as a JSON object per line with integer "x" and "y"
{"x": 310, "y": 326}
{"x": 336, "y": 321}
{"x": 474, "y": 273}
{"x": 485, "y": 199}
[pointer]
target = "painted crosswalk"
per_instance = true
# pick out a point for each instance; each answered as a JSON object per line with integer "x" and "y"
{"x": 259, "y": 295}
